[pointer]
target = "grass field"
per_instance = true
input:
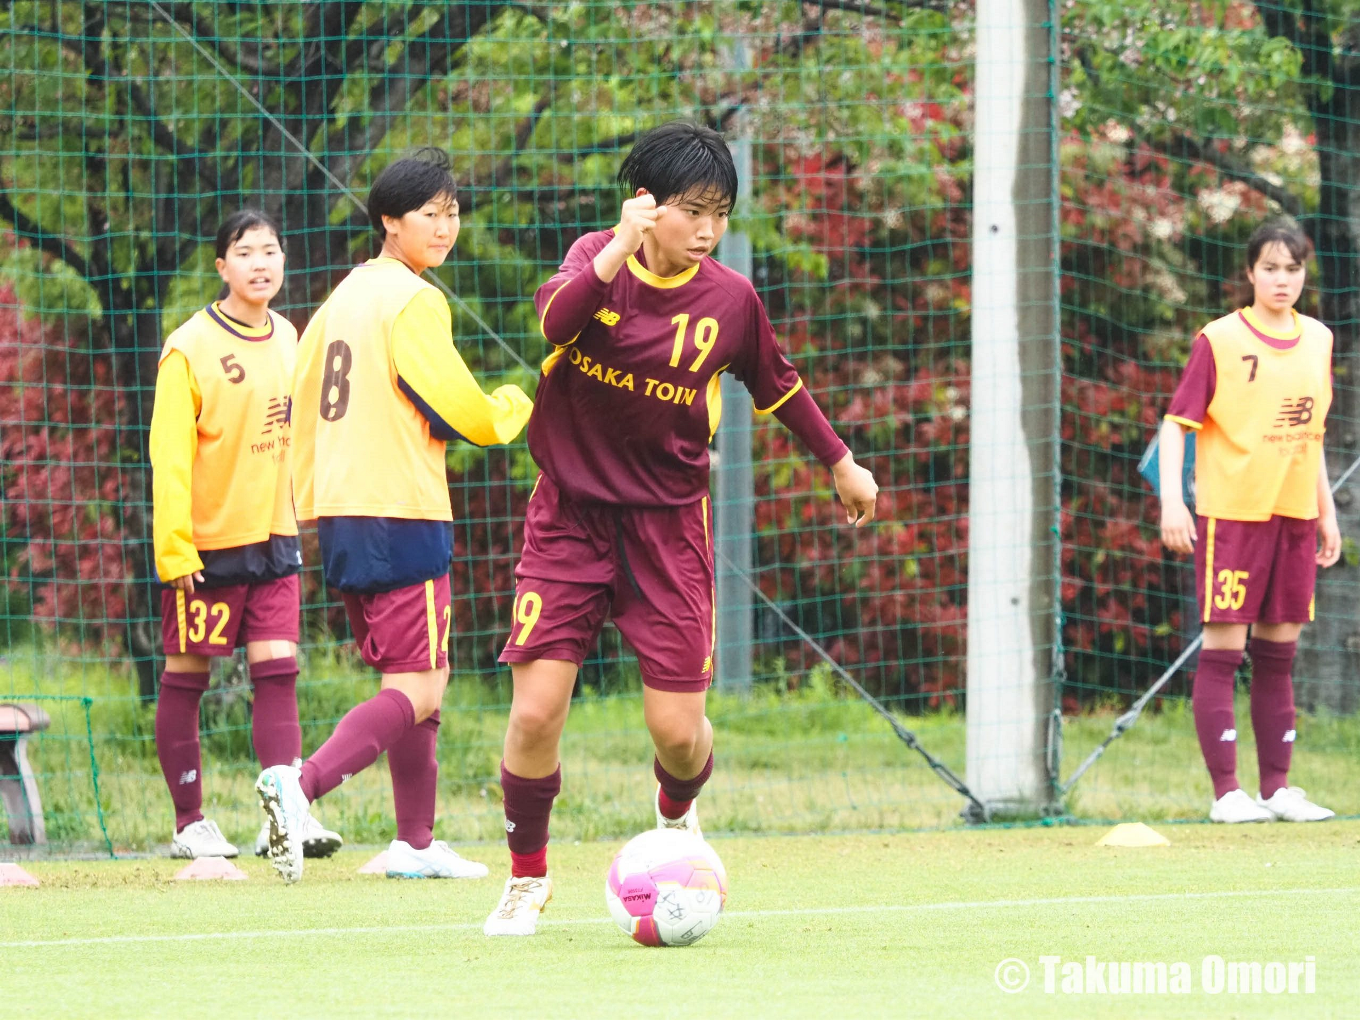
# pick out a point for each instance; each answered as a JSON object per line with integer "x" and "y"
{"x": 910, "y": 925}
{"x": 815, "y": 759}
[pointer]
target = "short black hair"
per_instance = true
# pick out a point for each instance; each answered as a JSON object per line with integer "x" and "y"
{"x": 1281, "y": 230}
{"x": 681, "y": 159}
{"x": 235, "y": 226}
{"x": 408, "y": 183}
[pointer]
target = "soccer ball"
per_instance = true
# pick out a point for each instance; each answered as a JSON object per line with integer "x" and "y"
{"x": 666, "y": 887}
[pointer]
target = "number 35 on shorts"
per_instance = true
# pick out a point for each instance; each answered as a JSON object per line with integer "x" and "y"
{"x": 528, "y": 606}
{"x": 1232, "y": 589}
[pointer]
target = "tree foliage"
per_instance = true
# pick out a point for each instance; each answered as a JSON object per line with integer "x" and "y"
{"x": 137, "y": 126}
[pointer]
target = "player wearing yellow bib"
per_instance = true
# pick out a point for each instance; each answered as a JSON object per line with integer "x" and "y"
{"x": 1257, "y": 389}
{"x": 226, "y": 541}
{"x": 378, "y": 393}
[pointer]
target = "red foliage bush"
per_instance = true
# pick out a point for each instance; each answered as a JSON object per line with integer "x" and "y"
{"x": 62, "y": 477}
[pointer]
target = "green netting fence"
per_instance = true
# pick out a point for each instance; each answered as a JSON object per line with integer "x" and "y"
{"x": 1185, "y": 126}
{"x": 127, "y": 130}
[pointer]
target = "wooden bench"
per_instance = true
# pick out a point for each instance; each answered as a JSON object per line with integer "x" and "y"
{"x": 18, "y": 786}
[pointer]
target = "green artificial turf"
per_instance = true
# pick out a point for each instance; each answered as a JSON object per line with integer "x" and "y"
{"x": 823, "y": 926}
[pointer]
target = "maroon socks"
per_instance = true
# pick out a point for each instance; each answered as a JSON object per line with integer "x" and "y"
{"x": 1272, "y": 713}
{"x": 677, "y": 795}
{"x": 274, "y": 727}
{"x": 415, "y": 778}
{"x": 177, "y": 742}
{"x": 367, "y": 730}
{"x": 528, "y": 803}
{"x": 1272, "y": 710}
{"x": 1214, "y": 723}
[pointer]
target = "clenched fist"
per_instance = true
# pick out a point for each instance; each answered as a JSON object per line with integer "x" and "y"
{"x": 637, "y": 220}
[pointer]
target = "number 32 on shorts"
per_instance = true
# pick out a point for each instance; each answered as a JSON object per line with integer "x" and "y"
{"x": 1232, "y": 592}
{"x": 199, "y": 613}
{"x": 528, "y": 606}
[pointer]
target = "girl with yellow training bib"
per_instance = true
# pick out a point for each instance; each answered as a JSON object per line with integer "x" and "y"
{"x": 1256, "y": 389}
{"x": 226, "y": 539}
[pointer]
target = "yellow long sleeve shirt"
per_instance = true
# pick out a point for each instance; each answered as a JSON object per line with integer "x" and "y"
{"x": 220, "y": 439}
{"x": 379, "y": 390}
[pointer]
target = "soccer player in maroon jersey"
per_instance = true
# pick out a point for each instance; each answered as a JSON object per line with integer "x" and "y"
{"x": 643, "y": 322}
{"x": 1257, "y": 389}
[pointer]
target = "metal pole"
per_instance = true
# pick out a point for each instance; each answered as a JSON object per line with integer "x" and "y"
{"x": 734, "y": 502}
{"x": 1012, "y": 582}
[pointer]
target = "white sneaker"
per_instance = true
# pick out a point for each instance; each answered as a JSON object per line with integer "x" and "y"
{"x": 286, "y": 813}
{"x": 1236, "y": 807}
{"x": 521, "y": 903}
{"x": 317, "y": 840}
{"x": 688, "y": 822}
{"x": 201, "y": 839}
{"x": 1290, "y": 804}
{"x": 436, "y": 861}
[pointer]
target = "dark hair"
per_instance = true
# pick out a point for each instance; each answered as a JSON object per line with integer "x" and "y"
{"x": 235, "y": 226}
{"x": 680, "y": 159}
{"x": 408, "y": 183}
{"x": 1282, "y": 230}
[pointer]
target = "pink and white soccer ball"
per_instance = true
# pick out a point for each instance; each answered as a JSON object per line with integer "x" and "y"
{"x": 666, "y": 887}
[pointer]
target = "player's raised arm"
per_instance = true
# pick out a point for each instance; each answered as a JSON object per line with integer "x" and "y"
{"x": 566, "y": 303}
{"x": 434, "y": 378}
{"x": 174, "y": 443}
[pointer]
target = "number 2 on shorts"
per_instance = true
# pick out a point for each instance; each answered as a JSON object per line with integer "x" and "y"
{"x": 528, "y": 605}
{"x": 1233, "y": 589}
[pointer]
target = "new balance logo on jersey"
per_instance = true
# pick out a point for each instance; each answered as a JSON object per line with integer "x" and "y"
{"x": 607, "y": 317}
{"x": 1288, "y": 737}
{"x": 280, "y": 413}
{"x": 186, "y": 778}
{"x": 708, "y": 664}
{"x": 509, "y": 825}
{"x": 1228, "y": 736}
{"x": 1295, "y": 412}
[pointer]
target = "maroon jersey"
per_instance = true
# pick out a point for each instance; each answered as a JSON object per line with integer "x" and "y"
{"x": 627, "y": 406}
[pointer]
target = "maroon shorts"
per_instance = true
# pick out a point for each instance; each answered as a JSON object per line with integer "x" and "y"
{"x": 214, "y": 621}
{"x": 1256, "y": 571}
{"x": 403, "y": 631}
{"x": 650, "y": 569}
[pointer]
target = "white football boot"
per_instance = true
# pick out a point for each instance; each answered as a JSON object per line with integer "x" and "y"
{"x": 1237, "y": 806}
{"x": 286, "y": 811}
{"x": 688, "y": 822}
{"x": 436, "y": 861}
{"x": 201, "y": 839}
{"x": 317, "y": 840}
{"x": 521, "y": 903}
{"x": 1290, "y": 804}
